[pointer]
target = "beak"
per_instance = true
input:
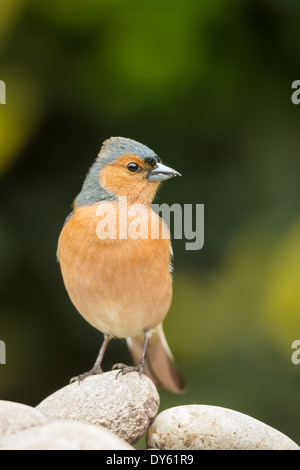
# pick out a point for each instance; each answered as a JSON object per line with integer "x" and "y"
{"x": 162, "y": 172}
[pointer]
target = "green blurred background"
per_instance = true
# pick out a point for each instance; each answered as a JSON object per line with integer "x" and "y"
{"x": 207, "y": 85}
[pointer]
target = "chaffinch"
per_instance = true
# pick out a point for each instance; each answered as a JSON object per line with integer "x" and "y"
{"x": 116, "y": 273}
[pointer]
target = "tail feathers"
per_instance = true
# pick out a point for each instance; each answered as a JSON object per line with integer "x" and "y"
{"x": 159, "y": 361}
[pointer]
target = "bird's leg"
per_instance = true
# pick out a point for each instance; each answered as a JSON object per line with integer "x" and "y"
{"x": 140, "y": 368}
{"x": 96, "y": 369}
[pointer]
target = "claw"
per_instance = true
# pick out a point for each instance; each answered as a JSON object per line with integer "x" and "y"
{"x": 119, "y": 365}
{"x": 124, "y": 369}
{"x": 81, "y": 377}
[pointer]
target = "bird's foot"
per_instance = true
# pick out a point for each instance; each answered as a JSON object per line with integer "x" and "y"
{"x": 124, "y": 369}
{"x": 81, "y": 377}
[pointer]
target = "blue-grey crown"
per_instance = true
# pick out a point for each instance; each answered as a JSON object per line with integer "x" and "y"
{"x": 115, "y": 147}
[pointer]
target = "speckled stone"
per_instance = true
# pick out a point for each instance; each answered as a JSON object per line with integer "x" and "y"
{"x": 125, "y": 405}
{"x": 204, "y": 427}
{"x": 63, "y": 435}
{"x": 15, "y": 417}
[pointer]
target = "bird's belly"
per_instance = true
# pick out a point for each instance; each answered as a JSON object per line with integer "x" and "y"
{"x": 121, "y": 287}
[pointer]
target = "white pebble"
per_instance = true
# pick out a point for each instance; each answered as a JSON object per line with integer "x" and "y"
{"x": 125, "y": 404}
{"x": 204, "y": 427}
{"x": 63, "y": 435}
{"x": 16, "y": 417}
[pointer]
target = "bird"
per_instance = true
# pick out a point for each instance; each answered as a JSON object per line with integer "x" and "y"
{"x": 122, "y": 284}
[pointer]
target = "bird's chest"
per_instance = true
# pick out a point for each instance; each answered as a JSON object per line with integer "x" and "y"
{"x": 106, "y": 242}
{"x": 114, "y": 264}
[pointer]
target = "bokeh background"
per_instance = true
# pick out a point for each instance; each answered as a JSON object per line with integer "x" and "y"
{"x": 207, "y": 85}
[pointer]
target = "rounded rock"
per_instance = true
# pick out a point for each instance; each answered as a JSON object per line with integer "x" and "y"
{"x": 64, "y": 435}
{"x": 15, "y": 417}
{"x": 205, "y": 427}
{"x": 124, "y": 404}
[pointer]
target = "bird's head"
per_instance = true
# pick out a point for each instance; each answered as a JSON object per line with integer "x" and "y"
{"x": 124, "y": 168}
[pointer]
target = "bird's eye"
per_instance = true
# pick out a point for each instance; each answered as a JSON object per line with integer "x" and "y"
{"x": 132, "y": 167}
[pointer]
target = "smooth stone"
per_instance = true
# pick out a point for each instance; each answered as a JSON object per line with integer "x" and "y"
{"x": 124, "y": 404}
{"x": 15, "y": 417}
{"x": 64, "y": 435}
{"x": 205, "y": 427}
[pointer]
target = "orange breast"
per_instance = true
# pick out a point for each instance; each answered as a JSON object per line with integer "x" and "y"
{"x": 120, "y": 286}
